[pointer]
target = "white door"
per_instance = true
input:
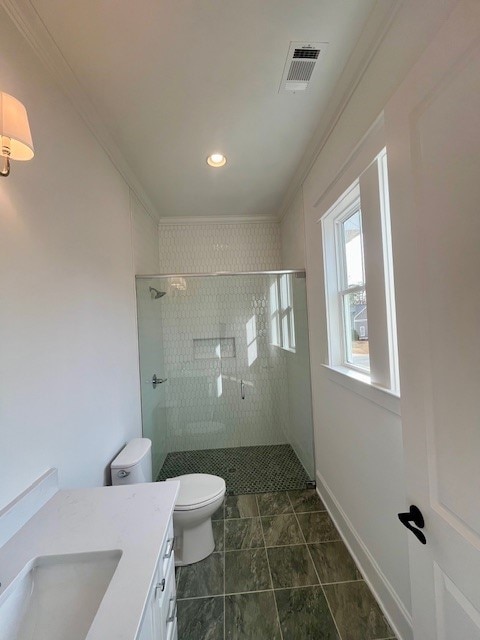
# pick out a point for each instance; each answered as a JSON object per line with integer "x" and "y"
{"x": 433, "y": 143}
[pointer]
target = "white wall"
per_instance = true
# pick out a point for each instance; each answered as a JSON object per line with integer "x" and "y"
{"x": 300, "y": 424}
{"x": 358, "y": 441}
{"x": 69, "y": 391}
{"x": 145, "y": 238}
{"x": 292, "y": 234}
{"x": 149, "y": 320}
{"x": 152, "y": 361}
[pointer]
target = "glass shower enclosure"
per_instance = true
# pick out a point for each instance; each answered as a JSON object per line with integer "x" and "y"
{"x": 225, "y": 377}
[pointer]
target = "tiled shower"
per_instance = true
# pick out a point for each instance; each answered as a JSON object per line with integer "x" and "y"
{"x": 232, "y": 354}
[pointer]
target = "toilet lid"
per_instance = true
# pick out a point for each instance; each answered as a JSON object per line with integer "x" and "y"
{"x": 197, "y": 489}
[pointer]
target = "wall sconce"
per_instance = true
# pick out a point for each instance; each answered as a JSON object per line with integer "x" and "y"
{"x": 15, "y": 138}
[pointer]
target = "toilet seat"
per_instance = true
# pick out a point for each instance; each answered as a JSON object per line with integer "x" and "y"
{"x": 198, "y": 490}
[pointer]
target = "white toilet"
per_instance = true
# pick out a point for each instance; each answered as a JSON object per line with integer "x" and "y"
{"x": 134, "y": 463}
{"x": 199, "y": 497}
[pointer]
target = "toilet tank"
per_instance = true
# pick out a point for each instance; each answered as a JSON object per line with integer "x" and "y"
{"x": 134, "y": 463}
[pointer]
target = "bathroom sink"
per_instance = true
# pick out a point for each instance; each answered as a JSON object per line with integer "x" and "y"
{"x": 56, "y": 597}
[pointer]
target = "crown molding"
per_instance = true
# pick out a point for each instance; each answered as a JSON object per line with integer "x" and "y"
{"x": 29, "y": 23}
{"x": 192, "y": 220}
{"x": 355, "y": 69}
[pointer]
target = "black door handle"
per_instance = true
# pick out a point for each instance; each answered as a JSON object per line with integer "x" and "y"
{"x": 415, "y": 516}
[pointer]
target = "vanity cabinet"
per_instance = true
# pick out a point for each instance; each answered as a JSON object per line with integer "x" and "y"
{"x": 79, "y": 532}
{"x": 160, "y": 619}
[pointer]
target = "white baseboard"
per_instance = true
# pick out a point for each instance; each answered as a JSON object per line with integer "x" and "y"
{"x": 391, "y": 605}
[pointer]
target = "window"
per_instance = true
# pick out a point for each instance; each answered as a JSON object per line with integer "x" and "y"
{"x": 282, "y": 319}
{"x": 359, "y": 281}
{"x": 352, "y": 293}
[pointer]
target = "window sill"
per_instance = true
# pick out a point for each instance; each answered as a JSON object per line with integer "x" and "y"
{"x": 288, "y": 349}
{"x": 360, "y": 384}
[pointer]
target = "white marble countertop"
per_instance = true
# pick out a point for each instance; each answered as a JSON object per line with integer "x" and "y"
{"x": 131, "y": 518}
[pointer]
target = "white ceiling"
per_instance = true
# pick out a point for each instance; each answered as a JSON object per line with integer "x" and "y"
{"x": 175, "y": 80}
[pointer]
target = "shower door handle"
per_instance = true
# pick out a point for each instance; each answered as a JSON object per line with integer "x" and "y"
{"x": 156, "y": 380}
{"x": 242, "y": 389}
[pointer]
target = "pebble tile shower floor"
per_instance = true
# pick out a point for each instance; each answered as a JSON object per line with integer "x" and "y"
{"x": 279, "y": 572}
{"x": 260, "y": 469}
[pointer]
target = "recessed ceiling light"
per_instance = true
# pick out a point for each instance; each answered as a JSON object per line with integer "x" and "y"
{"x": 216, "y": 160}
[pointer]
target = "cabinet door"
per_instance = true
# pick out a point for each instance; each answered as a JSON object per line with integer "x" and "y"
{"x": 165, "y": 610}
{"x": 172, "y": 634}
{"x": 153, "y": 626}
{"x": 160, "y": 615}
{"x": 147, "y": 628}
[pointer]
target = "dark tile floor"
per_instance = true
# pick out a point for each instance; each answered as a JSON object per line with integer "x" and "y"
{"x": 245, "y": 469}
{"x": 279, "y": 572}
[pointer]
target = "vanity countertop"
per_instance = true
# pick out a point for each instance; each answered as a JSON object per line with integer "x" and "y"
{"x": 129, "y": 518}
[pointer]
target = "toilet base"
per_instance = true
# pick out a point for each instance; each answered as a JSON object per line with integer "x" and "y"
{"x": 194, "y": 543}
{"x": 199, "y": 498}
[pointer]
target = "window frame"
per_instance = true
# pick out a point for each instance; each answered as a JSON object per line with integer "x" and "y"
{"x": 343, "y": 289}
{"x": 379, "y": 248}
{"x": 283, "y": 314}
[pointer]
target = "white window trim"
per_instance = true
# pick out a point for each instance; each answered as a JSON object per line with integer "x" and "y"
{"x": 354, "y": 377}
{"x": 388, "y": 267}
{"x": 339, "y": 211}
{"x": 284, "y": 311}
{"x": 343, "y": 290}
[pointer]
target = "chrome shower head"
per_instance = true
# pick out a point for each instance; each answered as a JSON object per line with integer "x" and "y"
{"x": 155, "y": 293}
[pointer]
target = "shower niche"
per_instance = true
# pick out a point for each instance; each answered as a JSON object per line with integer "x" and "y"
{"x": 237, "y": 401}
{"x": 213, "y": 348}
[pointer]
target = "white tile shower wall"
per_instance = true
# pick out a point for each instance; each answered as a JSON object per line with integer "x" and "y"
{"x": 204, "y": 407}
{"x": 206, "y": 248}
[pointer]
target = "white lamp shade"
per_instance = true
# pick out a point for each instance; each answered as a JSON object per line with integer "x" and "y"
{"x": 14, "y": 125}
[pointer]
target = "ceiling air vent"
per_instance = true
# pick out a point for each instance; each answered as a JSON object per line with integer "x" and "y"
{"x": 301, "y": 61}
